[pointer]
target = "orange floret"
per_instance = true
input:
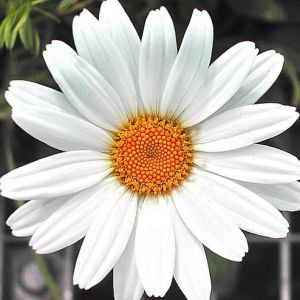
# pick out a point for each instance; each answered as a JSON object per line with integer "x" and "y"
{"x": 152, "y": 155}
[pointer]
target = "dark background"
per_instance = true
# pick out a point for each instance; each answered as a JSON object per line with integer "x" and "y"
{"x": 26, "y": 27}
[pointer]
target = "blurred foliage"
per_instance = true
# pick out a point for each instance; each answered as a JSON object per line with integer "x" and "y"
{"x": 26, "y": 26}
{"x": 265, "y": 10}
{"x": 20, "y": 15}
{"x": 18, "y": 21}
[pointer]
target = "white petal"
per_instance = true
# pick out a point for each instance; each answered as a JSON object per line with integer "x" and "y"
{"x": 105, "y": 240}
{"x": 118, "y": 24}
{"x": 191, "y": 267}
{"x": 158, "y": 52}
{"x": 25, "y": 93}
{"x": 61, "y": 130}
{"x": 190, "y": 66}
{"x": 224, "y": 77}
{"x": 95, "y": 44}
{"x": 84, "y": 86}
{"x": 155, "y": 247}
{"x": 127, "y": 285}
{"x": 266, "y": 68}
{"x": 249, "y": 211}
{"x": 243, "y": 126}
{"x": 26, "y": 231}
{"x": 282, "y": 196}
{"x": 256, "y": 163}
{"x": 110, "y": 194}
{"x": 56, "y": 175}
{"x": 27, "y": 218}
{"x": 209, "y": 222}
{"x": 47, "y": 115}
{"x": 71, "y": 221}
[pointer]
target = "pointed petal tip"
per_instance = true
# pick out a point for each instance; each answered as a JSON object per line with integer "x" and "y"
{"x": 7, "y": 93}
{"x": 87, "y": 14}
{"x": 280, "y": 234}
{"x": 81, "y": 285}
{"x": 9, "y": 221}
{"x": 75, "y": 274}
{"x": 4, "y": 193}
{"x": 76, "y": 20}
{"x": 39, "y": 251}
{"x": 196, "y": 12}
{"x": 246, "y": 44}
{"x": 2, "y": 179}
{"x": 201, "y": 14}
{"x": 16, "y": 234}
{"x": 279, "y": 57}
{"x": 90, "y": 285}
{"x": 155, "y": 293}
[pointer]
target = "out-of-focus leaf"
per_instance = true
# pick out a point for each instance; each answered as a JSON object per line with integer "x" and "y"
{"x": 266, "y": 10}
{"x": 291, "y": 72}
{"x": 5, "y": 113}
{"x": 66, "y": 4}
{"x": 21, "y": 16}
{"x": 77, "y": 5}
{"x": 30, "y": 37}
{"x": 8, "y": 31}
{"x": 36, "y": 2}
{"x": 11, "y": 39}
{"x": 12, "y": 23}
{"x": 47, "y": 14}
{"x": 2, "y": 30}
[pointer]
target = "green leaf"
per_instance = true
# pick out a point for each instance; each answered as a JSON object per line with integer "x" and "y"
{"x": 36, "y": 2}
{"x": 22, "y": 14}
{"x": 12, "y": 23}
{"x": 8, "y": 32}
{"x": 266, "y": 10}
{"x": 2, "y": 30}
{"x": 11, "y": 39}
{"x": 30, "y": 37}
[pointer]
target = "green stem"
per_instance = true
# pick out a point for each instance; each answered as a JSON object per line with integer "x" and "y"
{"x": 52, "y": 287}
{"x": 47, "y": 14}
{"x": 41, "y": 263}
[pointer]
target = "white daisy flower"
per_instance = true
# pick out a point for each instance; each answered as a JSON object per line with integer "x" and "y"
{"x": 161, "y": 153}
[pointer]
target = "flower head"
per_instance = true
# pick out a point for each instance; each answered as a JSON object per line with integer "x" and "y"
{"x": 161, "y": 153}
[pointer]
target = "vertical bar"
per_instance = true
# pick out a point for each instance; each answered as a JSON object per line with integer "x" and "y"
{"x": 213, "y": 296}
{"x": 2, "y": 246}
{"x": 285, "y": 267}
{"x": 68, "y": 292}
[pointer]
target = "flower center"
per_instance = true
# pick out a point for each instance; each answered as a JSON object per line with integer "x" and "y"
{"x": 152, "y": 155}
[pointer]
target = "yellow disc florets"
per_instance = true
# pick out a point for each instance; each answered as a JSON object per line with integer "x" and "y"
{"x": 152, "y": 155}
